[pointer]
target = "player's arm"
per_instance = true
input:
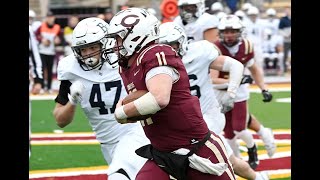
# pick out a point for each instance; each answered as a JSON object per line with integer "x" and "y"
{"x": 64, "y": 110}
{"x": 211, "y": 34}
{"x": 257, "y": 75}
{"x": 156, "y": 99}
{"x": 234, "y": 67}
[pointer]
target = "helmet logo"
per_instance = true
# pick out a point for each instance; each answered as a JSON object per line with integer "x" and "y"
{"x": 127, "y": 21}
{"x": 103, "y": 27}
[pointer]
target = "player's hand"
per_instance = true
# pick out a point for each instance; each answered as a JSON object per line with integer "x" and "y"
{"x": 36, "y": 88}
{"x": 267, "y": 96}
{"x": 246, "y": 79}
{"x": 121, "y": 121}
{"x": 227, "y": 102}
{"x": 76, "y": 91}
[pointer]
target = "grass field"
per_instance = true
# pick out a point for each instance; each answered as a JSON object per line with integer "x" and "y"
{"x": 53, "y": 155}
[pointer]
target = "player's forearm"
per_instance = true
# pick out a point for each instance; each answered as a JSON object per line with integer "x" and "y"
{"x": 64, "y": 114}
{"x": 235, "y": 69}
{"x": 257, "y": 75}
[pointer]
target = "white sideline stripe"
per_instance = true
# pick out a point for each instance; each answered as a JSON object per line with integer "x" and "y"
{"x": 265, "y": 155}
{"x": 94, "y": 141}
{"x": 277, "y": 141}
{"x": 62, "y": 174}
{"x": 63, "y": 142}
{"x": 91, "y": 134}
{"x": 48, "y": 135}
{"x": 284, "y": 100}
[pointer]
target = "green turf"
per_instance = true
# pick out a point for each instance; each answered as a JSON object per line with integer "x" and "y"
{"x": 43, "y": 120}
{"x": 275, "y": 115}
{"x": 65, "y": 156}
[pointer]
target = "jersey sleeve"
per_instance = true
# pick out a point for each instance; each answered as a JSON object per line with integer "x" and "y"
{"x": 159, "y": 55}
{"x": 64, "y": 89}
{"x": 208, "y": 21}
{"x": 64, "y": 68}
{"x": 210, "y": 50}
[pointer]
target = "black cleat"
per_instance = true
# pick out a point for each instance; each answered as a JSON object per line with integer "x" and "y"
{"x": 253, "y": 157}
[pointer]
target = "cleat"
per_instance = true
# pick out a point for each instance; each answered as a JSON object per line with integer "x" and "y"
{"x": 253, "y": 157}
{"x": 262, "y": 175}
{"x": 268, "y": 140}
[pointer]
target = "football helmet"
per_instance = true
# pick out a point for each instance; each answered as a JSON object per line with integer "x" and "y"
{"x": 217, "y": 7}
{"x": 190, "y": 10}
{"x": 230, "y": 22}
{"x": 171, "y": 33}
{"x": 88, "y": 32}
{"x": 240, "y": 14}
{"x": 271, "y": 12}
{"x": 253, "y": 11}
{"x": 136, "y": 27}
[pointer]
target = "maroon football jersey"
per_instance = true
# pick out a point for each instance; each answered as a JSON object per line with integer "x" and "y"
{"x": 181, "y": 122}
{"x": 244, "y": 54}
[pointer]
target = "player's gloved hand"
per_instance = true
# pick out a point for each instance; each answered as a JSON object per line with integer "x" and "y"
{"x": 267, "y": 96}
{"x": 76, "y": 91}
{"x": 227, "y": 102}
{"x": 246, "y": 79}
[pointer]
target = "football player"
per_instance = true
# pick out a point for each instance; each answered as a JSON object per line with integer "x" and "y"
{"x": 197, "y": 23}
{"x": 232, "y": 44}
{"x": 96, "y": 86}
{"x": 197, "y": 58}
{"x": 181, "y": 144}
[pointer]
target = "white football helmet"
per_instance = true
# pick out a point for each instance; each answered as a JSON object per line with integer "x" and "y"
{"x": 88, "y": 32}
{"x": 253, "y": 11}
{"x": 271, "y": 12}
{"x": 217, "y": 7}
{"x": 241, "y": 15}
{"x": 231, "y": 22}
{"x": 136, "y": 27}
{"x": 246, "y": 6}
{"x": 171, "y": 33}
{"x": 190, "y": 15}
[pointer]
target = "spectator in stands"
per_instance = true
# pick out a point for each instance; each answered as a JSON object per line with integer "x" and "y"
{"x": 35, "y": 24}
{"x": 67, "y": 33}
{"x": 35, "y": 73}
{"x": 49, "y": 35}
{"x": 108, "y": 14}
{"x": 285, "y": 31}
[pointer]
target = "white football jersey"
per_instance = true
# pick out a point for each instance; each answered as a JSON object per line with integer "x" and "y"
{"x": 197, "y": 60}
{"x": 196, "y": 29}
{"x": 103, "y": 89}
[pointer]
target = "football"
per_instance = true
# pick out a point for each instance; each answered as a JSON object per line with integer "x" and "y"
{"x": 133, "y": 96}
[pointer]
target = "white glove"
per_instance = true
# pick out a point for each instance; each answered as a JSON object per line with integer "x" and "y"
{"x": 203, "y": 164}
{"x": 76, "y": 91}
{"x": 227, "y": 102}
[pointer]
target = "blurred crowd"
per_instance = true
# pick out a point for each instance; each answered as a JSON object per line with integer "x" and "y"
{"x": 268, "y": 29}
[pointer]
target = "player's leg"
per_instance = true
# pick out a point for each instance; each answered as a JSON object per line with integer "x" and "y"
{"x": 241, "y": 167}
{"x": 214, "y": 150}
{"x": 151, "y": 170}
{"x": 230, "y": 136}
{"x": 240, "y": 116}
{"x": 265, "y": 134}
{"x": 125, "y": 161}
{"x": 215, "y": 120}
